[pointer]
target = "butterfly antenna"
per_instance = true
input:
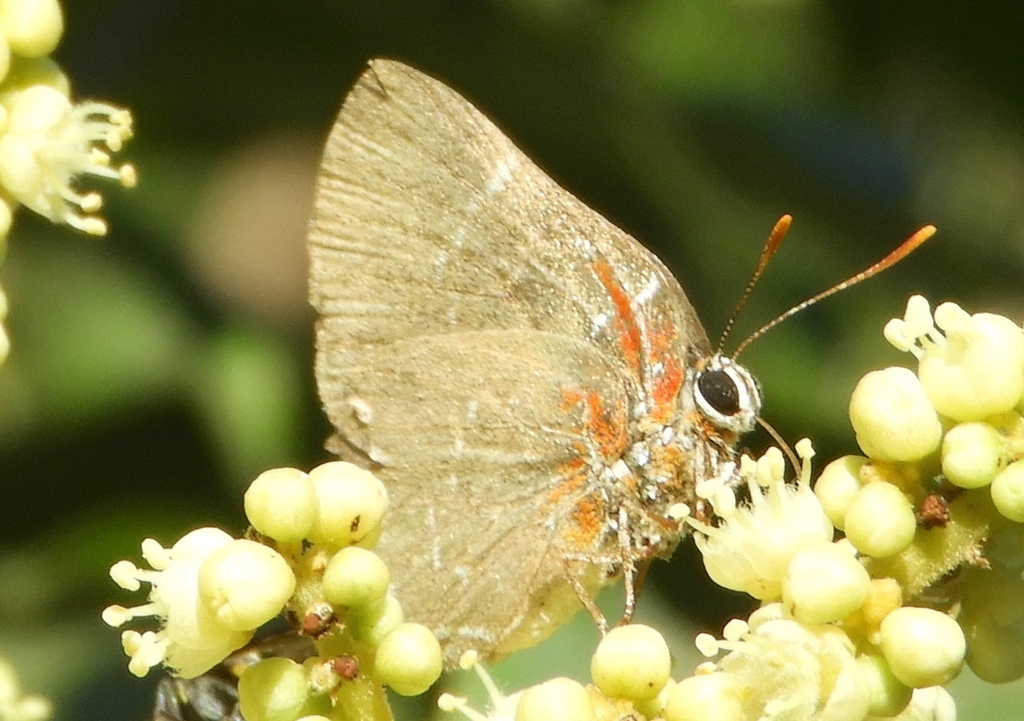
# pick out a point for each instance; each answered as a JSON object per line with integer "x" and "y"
{"x": 771, "y": 244}
{"x": 790, "y": 455}
{"x": 906, "y": 248}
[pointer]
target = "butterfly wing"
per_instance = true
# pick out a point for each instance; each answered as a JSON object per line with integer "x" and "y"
{"x": 484, "y": 343}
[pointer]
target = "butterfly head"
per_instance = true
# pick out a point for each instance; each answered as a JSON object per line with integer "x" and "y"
{"x": 727, "y": 395}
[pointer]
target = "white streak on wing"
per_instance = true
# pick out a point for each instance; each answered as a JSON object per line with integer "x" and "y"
{"x": 585, "y": 247}
{"x": 439, "y": 263}
{"x": 477, "y": 633}
{"x": 652, "y": 286}
{"x": 501, "y": 176}
{"x": 599, "y": 322}
{"x": 435, "y": 543}
{"x": 458, "y": 447}
{"x": 499, "y": 458}
{"x": 471, "y": 411}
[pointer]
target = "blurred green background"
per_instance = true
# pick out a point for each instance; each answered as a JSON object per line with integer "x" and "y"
{"x": 155, "y": 372}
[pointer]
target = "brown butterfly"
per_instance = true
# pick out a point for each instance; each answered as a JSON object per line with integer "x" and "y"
{"x": 530, "y": 383}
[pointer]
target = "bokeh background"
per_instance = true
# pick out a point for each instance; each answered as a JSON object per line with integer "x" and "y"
{"x": 155, "y": 372}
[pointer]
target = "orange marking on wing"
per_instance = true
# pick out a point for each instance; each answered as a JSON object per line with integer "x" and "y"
{"x": 625, "y": 322}
{"x": 666, "y": 389}
{"x": 667, "y": 384}
{"x": 588, "y": 520}
{"x": 570, "y": 398}
{"x": 606, "y": 426}
{"x": 569, "y": 487}
{"x": 603, "y": 426}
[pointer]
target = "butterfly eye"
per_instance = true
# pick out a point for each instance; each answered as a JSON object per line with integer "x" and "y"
{"x": 728, "y": 395}
{"x": 720, "y": 391}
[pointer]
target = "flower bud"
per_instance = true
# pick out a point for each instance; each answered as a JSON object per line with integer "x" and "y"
{"x": 923, "y": 647}
{"x": 889, "y": 695}
{"x": 880, "y": 522}
{"x": 893, "y": 417}
{"x": 409, "y": 659}
{"x": 371, "y": 623}
{"x": 824, "y": 583}
{"x": 837, "y": 485}
{"x": 281, "y": 504}
{"x": 971, "y": 454}
{"x": 274, "y": 689}
{"x": 33, "y": 28}
{"x": 245, "y": 584}
{"x": 559, "y": 698}
{"x": 631, "y": 662}
{"x": 1008, "y": 491}
{"x": 706, "y": 696}
{"x": 355, "y": 577}
{"x": 351, "y": 503}
{"x": 979, "y": 370}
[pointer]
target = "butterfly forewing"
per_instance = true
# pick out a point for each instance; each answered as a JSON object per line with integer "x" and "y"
{"x": 486, "y": 344}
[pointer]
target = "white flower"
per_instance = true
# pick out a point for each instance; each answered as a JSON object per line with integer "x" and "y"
{"x": 971, "y": 366}
{"x": 49, "y": 143}
{"x": 752, "y": 547}
{"x": 190, "y": 639}
{"x": 791, "y": 671}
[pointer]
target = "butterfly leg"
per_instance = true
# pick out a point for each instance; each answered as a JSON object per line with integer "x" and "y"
{"x": 624, "y": 561}
{"x": 629, "y": 569}
{"x": 583, "y": 594}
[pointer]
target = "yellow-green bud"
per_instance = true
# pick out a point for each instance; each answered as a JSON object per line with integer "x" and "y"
{"x": 559, "y": 698}
{"x": 971, "y": 454}
{"x": 275, "y": 689}
{"x": 351, "y": 503}
{"x": 409, "y": 659}
{"x": 32, "y": 27}
{"x": 893, "y": 417}
{"x": 923, "y": 647}
{"x": 27, "y": 72}
{"x": 631, "y": 662}
{"x": 703, "y": 697}
{"x": 824, "y": 583}
{"x": 371, "y": 623}
{"x": 880, "y": 521}
{"x": 355, "y": 577}
{"x": 889, "y": 695}
{"x": 244, "y": 584}
{"x": 282, "y": 504}
{"x": 1008, "y": 491}
{"x": 837, "y": 485}
{"x": 979, "y": 370}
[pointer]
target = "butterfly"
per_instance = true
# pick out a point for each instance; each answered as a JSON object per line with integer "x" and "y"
{"x": 529, "y": 382}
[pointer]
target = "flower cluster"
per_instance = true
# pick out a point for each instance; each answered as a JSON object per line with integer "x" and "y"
{"x": 308, "y": 555}
{"x": 902, "y": 563}
{"x": 630, "y": 669}
{"x": 876, "y": 585}
{"x": 47, "y": 142}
